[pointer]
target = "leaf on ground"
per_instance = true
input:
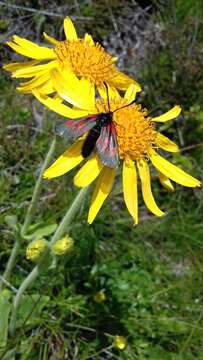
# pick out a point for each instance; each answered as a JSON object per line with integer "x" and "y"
{"x": 5, "y": 307}
{"x": 30, "y": 309}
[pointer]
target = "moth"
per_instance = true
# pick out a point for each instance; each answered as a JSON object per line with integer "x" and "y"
{"x": 101, "y": 135}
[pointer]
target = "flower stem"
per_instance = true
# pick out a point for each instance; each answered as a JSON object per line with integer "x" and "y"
{"x": 11, "y": 262}
{"x": 28, "y": 280}
{"x": 62, "y": 228}
{"x": 36, "y": 192}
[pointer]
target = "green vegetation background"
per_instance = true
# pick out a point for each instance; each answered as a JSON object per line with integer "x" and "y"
{"x": 151, "y": 274}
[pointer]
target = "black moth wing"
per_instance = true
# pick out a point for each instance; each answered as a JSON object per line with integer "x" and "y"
{"x": 74, "y": 128}
{"x": 107, "y": 146}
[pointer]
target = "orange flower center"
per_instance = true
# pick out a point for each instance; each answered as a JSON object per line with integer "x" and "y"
{"x": 135, "y": 131}
{"x": 86, "y": 60}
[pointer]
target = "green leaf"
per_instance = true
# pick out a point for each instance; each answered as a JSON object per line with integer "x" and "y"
{"x": 172, "y": 325}
{"x": 5, "y": 307}
{"x": 32, "y": 228}
{"x": 41, "y": 232}
{"x": 30, "y": 309}
{"x": 199, "y": 116}
{"x": 11, "y": 221}
{"x": 9, "y": 355}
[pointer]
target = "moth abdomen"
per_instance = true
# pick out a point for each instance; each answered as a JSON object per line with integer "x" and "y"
{"x": 91, "y": 140}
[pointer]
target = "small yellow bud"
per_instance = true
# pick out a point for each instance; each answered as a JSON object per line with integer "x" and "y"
{"x": 63, "y": 246}
{"x": 120, "y": 342}
{"x": 100, "y": 296}
{"x": 35, "y": 249}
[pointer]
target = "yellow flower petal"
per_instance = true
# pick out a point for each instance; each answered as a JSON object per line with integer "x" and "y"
{"x": 55, "y": 105}
{"x": 77, "y": 92}
{"x": 165, "y": 182}
{"x": 164, "y": 143}
{"x": 69, "y": 29}
{"x": 37, "y": 70}
{"x": 87, "y": 90}
{"x": 122, "y": 81}
{"x": 20, "y": 65}
{"x": 25, "y": 43}
{"x": 130, "y": 188}
{"x": 30, "y": 49}
{"x": 88, "y": 173}
{"x": 169, "y": 115}
{"x": 44, "y": 89}
{"x": 89, "y": 39}
{"x": 112, "y": 92}
{"x": 131, "y": 92}
{"x": 146, "y": 188}
{"x": 50, "y": 39}
{"x": 58, "y": 99}
{"x": 102, "y": 189}
{"x": 172, "y": 171}
{"x": 36, "y": 82}
{"x": 67, "y": 161}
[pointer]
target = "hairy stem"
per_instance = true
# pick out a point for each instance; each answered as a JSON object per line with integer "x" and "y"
{"x": 11, "y": 262}
{"x": 62, "y": 228}
{"x": 28, "y": 280}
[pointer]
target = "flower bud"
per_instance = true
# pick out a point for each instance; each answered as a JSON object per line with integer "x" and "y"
{"x": 63, "y": 245}
{"x": 120, "y": 342}
{"x": 100, "y": 296}
{"x": 35, "y": 249}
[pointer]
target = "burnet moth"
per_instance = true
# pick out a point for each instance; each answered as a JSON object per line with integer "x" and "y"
{"x": 101, "y": 134}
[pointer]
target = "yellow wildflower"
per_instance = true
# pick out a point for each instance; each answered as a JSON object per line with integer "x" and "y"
{"x": 138, "y": 143}
{"x": 76, "y": 59}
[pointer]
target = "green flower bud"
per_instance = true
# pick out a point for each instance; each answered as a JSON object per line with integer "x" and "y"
{"x": 63, "y": 246}
{"x": 35, "y": 249}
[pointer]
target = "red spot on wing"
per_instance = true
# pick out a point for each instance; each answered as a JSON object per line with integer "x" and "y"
{"x": 77, "y": 127}
{"x": 107, "y": 146}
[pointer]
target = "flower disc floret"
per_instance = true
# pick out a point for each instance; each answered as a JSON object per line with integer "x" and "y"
{"x": 134, "y": 129}
{"x": 86, "y": 60}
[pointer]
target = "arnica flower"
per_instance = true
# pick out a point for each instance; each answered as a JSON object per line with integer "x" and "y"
{"x": 138, "y": 144}
{"x": 78, "y": 58}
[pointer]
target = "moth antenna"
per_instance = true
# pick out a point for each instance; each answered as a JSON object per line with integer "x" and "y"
{"x": 132, "y": 102}
{"x": 107, "y": 92}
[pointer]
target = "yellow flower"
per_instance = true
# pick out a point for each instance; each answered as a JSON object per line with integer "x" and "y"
{"x": 120, "y": 342}
{"x": 63, "y": 246}
{"x": 35, "y": 249}
{"x": 100, "y": 296}
{"x": 76, "y": 59}
{"x": 138, "y": 144}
